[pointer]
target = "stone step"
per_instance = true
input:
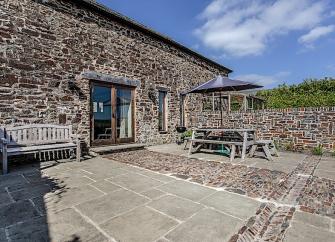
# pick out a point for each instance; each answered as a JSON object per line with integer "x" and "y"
{"x": 101, "y": 150}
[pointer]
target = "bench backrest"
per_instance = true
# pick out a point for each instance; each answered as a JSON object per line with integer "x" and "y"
{"x": 36, "y": 134}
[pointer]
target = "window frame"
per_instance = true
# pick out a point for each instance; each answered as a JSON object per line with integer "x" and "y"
{"x": 162, "y": 128}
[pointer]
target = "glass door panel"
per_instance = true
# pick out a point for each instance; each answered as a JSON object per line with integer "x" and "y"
{"x": 102, "y": 113}
{"x": 124, "y": 114}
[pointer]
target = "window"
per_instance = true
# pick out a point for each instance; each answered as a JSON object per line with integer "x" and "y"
{"x": 162, "y": 111}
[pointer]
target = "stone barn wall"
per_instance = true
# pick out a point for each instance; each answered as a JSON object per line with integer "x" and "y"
{"x": 294, "y": 128}
{"x": 47, "y": 45}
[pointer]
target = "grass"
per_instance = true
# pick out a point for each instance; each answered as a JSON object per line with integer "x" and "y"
{"x": 317, "y": 150}
{"x": 289, "y": 146}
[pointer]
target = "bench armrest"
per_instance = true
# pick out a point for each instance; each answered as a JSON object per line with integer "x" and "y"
{"x": 75, "y": 137}
{"x": 3, "y": 141}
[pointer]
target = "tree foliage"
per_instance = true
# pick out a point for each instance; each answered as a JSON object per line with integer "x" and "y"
{"x": 310, "y": 93}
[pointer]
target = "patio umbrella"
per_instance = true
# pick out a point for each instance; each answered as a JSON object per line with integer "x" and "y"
{"x": 220, "y": 84}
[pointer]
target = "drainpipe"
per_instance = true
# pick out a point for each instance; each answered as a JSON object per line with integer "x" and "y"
{"x": 182, "y": 111}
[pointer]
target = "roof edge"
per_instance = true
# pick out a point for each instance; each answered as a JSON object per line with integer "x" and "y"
{"x": 128, "y": 21}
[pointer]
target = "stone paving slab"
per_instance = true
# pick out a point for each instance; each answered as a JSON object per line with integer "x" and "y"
{"x": 329, "y": 174}
{"x": 11, "y": 180}
{"x": 239, "y": 178}
{"x": 106, "y": 186}
{"x": 104, "y": 172}
{"x": 106, "y": 207}
{"x": 4, "y": 198}
{"x": 31, "y": 192}
{"x": 306, "y": 233}
{"x": 176, "y": 207}
{"x": 153, "y": 193}
{"x": 187, "y": 190}
{"x": 66, "y": 198}
{"x": 71, "y": 178}
{"x": 154, "y": 175}
{"x": 312, "y": 219}
{"x": 207, "y": 225}
{"x": 233, "y": 204}
{"x": 33, "y": 230}
{"x": 65, "y": 225}
{"x": 136, "y": 182}
{"x": 3, "y": 237}
{"x": 17, "y": 212}
{"x": 131, "y": 226}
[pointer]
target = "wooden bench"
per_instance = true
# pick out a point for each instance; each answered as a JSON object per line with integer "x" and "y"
{"x": 232, "y": 144}
{"x": 267, "y": 146}
{"x": 36, "y": 138}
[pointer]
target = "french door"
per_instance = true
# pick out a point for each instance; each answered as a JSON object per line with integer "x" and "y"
{"x": 112, "y": 114}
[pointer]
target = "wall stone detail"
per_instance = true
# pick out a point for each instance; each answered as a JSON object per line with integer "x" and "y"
{"x": 293, "y": 128}
{"x": 47, "y": 45}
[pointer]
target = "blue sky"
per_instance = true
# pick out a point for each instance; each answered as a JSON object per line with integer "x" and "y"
{"x": 269, "y": 42}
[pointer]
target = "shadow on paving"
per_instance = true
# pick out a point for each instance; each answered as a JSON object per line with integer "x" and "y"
{"x": 30, "y": 204}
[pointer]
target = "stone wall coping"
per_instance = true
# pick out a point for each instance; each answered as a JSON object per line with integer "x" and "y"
{"x": 96, "y": 76}
{"x": 282, "y": 110}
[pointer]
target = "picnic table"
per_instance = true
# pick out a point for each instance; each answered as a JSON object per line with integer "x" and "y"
{"x": 229, "y": 137}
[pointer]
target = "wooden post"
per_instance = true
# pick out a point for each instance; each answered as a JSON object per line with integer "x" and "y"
{"x": 229, "y": 102}
{"x": 245, "y": 140}
{"x": 245, "y": 103}
{"x": 78, "y": 152}
{"x": 191, "y": 144}
{"x": 232, "y": 152}
{"x": 4, "y": 158}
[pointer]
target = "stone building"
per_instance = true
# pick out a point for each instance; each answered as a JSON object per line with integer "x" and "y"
{"x": 77, "y": 62}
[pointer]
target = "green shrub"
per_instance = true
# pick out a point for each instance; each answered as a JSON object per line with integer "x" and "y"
{"x": 277, "y": 144}
{"x": 310, "y": 93}
{"x": 317, "y": 150}
{"x": 289, "y": 146}
{"x": 187, "y": 133}
{"x": 333, "y": 153}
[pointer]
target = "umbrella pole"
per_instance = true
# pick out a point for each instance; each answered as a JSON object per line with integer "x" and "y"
{"x": 221, "y": 114}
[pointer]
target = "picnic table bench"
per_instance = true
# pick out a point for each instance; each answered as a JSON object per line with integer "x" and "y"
{"x": 246, "y": 138}
{"x": 36, "y": 138}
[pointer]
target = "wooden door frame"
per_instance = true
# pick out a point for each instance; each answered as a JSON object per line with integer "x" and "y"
{"x": 114, "y": 140}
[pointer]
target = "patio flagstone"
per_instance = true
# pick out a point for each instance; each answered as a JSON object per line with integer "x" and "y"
{"x": 306, "y": 233}
{"x": 105, "y": 186}
{"x": 4, "y": 198}
{"x": 3, "y": 235}
{"x": 31, "y": 192}
{"x": 187, "y": 190}
{"x": 142, "y": 205}
{"x": 17, "y": 212}
{"x": 136, "y": 182}
{"x": 175, "y": 207}
{"x": 106, "y": 207}
{"x": 11, "y": 180}
{"x": 207, "y": 225}
{"x": 153, "y": 193}
{"x": 141, "y": 225}
{"x": 312, "y": 219}
{"x": 66, "y": 198}
{"x": 233, "y": 204}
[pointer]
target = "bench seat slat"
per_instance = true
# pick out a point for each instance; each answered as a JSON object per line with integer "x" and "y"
{"x": 32, "y": 149}
{"x": 216, "y": 141}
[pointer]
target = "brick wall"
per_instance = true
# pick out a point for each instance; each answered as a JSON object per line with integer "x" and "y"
{"x": 301, "y": 128}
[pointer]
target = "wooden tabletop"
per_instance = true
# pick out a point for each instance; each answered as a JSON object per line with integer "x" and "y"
{"x": 225, "y": 130}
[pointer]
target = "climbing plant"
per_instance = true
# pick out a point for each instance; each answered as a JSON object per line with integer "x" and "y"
{"x": 310, "y": 93}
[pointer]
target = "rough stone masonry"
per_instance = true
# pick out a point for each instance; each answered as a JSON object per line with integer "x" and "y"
{"x": 47, "y": 45}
